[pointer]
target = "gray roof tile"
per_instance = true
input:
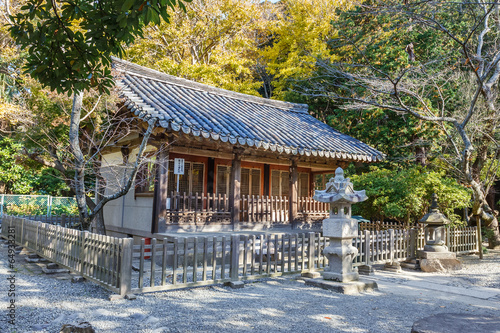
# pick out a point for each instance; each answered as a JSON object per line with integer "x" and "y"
{"x": 195, "y": 108}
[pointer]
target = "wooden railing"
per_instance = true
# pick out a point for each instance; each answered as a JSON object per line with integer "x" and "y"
{"x": 210, "y": 208}
{"x": 198, "y": 208}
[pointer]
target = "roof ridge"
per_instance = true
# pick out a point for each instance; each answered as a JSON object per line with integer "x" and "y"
{"x": 129, "y": 67}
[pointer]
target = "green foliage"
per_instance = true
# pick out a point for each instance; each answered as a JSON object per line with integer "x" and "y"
{"x": 70, "y": 42}
{"x": 405, "y": 195}
{"x": 25, "y": 209}
{"x": 69, "y": 210}
{"x": 21, "y": 178}
{"x": 32, "y": 207}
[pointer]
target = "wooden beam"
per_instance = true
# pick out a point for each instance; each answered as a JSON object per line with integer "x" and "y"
{"x": 322, "y": 165}
{"x": 161, "y": 190}
{"x": 292, "y": 192}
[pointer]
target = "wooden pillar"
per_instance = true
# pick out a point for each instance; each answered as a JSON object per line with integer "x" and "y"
{"x": 210, "y": 175}
{"x": 234, "y": 201}
{"x": 267, "y": 175}
{"x": 161, "y": 190}
{"x": 292, "y": 192}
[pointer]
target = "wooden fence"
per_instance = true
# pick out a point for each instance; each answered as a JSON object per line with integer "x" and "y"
{"x": 382, "y": 225}
{"x": 96, "y": 257}
{"x": 180, "y": 262}
{"x": 462, "y": 240}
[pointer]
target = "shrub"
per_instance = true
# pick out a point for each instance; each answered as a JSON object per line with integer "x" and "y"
{"x": 405, "y": 195}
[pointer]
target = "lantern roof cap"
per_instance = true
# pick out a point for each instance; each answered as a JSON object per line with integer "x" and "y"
{"x": 340, "y": 189}
{"x": 434, "y": 216}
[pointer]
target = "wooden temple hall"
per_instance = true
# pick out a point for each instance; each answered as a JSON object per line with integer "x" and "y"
{"x": 249, "y": 162}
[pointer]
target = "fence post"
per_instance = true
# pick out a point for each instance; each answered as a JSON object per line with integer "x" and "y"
{"x": 37, "y": 235}
{"x": 126, "y": 266}
{"x": 21, "y": 234}
{"x": 448, "y": 238}
{"x": 235, "y": 257}
{"x": 479, "y": 238}
{"x": 63, "y": 220}
{"x": 82, "y": 252}
{"x": 392, "y": 246}
{"x": 412, "y": 252}
{"x": 367, "y": 247}
{"x": 48, "y": 205}
{"x": 311, "y": 271}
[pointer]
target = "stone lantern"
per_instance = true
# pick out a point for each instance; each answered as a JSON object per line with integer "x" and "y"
{"x": 435, "y": 257}
{"x": 434, "y": 222}
{"x": 340, "y": 227}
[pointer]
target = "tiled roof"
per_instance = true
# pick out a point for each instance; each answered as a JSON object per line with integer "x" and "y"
{"x": 183, "y": 105}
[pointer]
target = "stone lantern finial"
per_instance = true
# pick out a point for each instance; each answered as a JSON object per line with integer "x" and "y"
{"x": 434, "y": 203}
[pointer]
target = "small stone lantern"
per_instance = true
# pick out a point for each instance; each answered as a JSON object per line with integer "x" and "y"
{"x": 340, "y": 227}
{"x": 435, "y": 257}
{"x": 434, "y": 229}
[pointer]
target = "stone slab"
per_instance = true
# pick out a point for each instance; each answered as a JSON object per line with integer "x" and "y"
{"x": 348, "y": 288}
{"x": 366, "y": 270}
{"x": 410, "y": 265}
{"x": 77, "y": 279}
{"x": 436, "y": 255}
{"x": 115, "y": 297}
{"x": 393, "y": 267}
{"x": 52, "y": 265}
{"x": 236, "y": 284}
{"x": 54, "y": 271}
{"x": 35, "y": 260}
{"x": 311, "y": 275}
{"x": 457, "y": 322}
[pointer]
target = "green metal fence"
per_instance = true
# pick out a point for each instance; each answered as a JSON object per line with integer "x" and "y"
{"x": 47, "y": 205}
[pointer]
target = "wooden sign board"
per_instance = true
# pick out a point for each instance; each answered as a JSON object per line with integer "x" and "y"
{"x": 178, "y": 166}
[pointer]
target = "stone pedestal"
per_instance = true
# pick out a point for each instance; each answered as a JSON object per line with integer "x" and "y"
{"x": 340, "y": 253}
{"x": 438, "y": 261}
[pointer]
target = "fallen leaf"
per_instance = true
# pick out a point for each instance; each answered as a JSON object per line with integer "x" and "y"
{"x": 328, "y": 318}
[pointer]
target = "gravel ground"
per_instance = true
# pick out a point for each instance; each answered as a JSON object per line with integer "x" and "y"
{"x": 44, "y": 304}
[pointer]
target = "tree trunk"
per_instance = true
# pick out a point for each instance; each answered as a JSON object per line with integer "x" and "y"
{"x": 481, "y": 209}
{"x": 98, "y": 218}
{"x": 79, "y": 160}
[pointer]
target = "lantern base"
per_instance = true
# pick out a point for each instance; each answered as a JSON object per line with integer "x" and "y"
{"x": 435, "y": 248}
{"x": 348, "y": 288}
{"x": 341, "y": 277}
